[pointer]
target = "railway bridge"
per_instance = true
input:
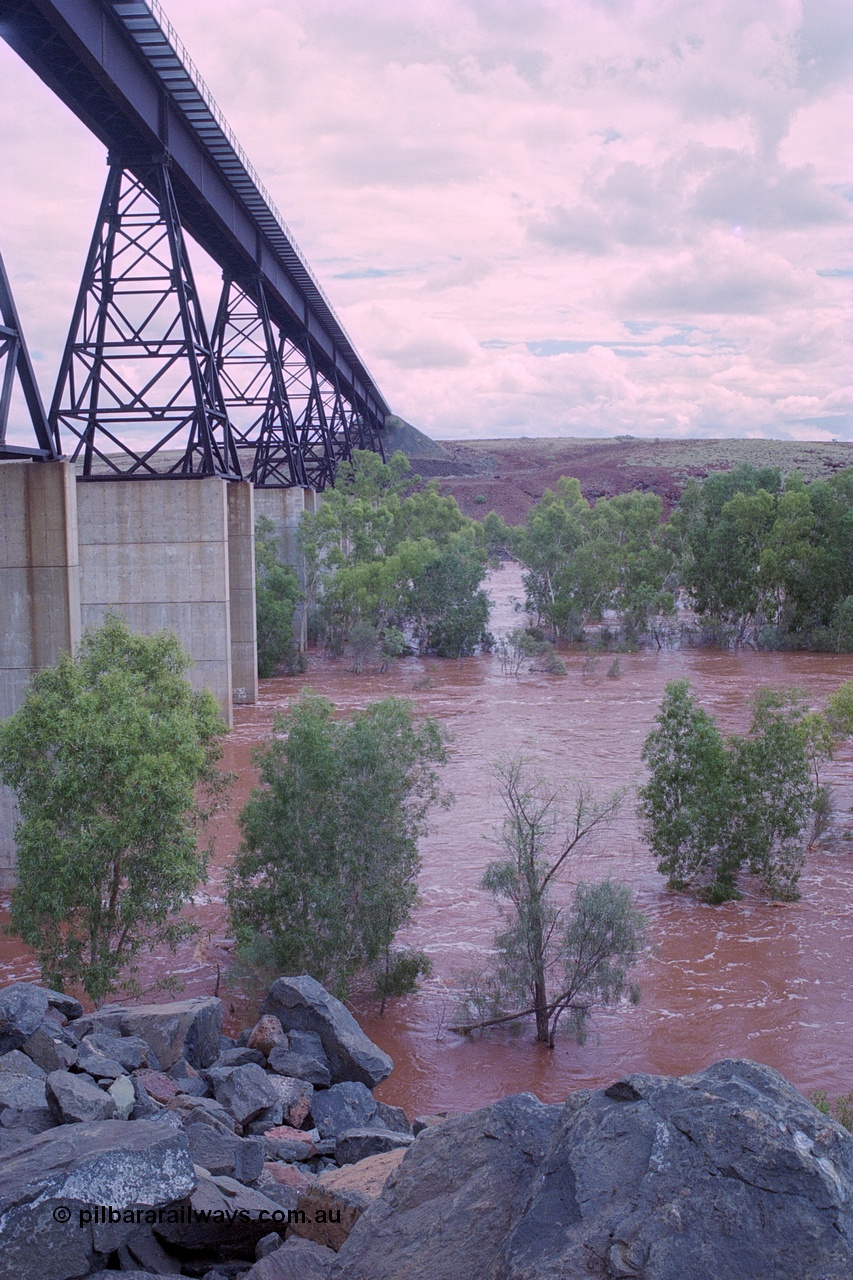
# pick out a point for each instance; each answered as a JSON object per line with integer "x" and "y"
{"x": 136, "y": 486}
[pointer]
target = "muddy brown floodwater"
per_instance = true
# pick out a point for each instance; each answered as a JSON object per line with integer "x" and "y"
{"x": 750, "y": 978}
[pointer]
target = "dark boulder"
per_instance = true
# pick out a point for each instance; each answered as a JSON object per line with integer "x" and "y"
{"x": 22, "y": 1010}
{"x": 244, "y": 1091}
{"x": 729, "y": 1172}
{"x": 17, "y": 1063}
{"x": 183, "y": 1028}
{"x": 453, "y": 1200}
{"x": 225, "y": 1153}
{"x": 357, "y": 1144}
{"x": 77, "y": 1099}
{"x": 726, "y": 1173}
{"x": 349, "y": 1105}
{"x": 132, "y": 1052}
{"x": 294, "y": 1260}
{"x": 301, "y": 1004}
{"x": 48, "y": 1051}
{"x": 76, "y": 1167}
{"x": 314, "y": 1070}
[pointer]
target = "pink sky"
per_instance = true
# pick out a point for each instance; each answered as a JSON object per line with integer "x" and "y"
{"x": 569, "y": 218}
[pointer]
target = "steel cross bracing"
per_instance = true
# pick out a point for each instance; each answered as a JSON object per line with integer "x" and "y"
{"x": 137, "y": 387}
{"x": 120, "y": 66}
{"x": 16, "y": 367}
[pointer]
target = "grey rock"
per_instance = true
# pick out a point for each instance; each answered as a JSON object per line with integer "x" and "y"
{"x": 267, "y": 1245}
{"x": 22, "y": 1010}
{"x": 142, "y": 1249}
{"x": 421, "y": 1223}
{"x": 20, "y": 1064}
{"x": 729, "y": 1172}
{"x": 66, "y": 1005}
{"x": 97, "y": 1065}
{"x": 77, "y": 1099}
{"x": 23, "y": 1104}
{"x": 269, "y": 1118}
{"x": 290, "y": 1152}
{"x": 349, "y": 1105}
{"x": 145, "y": 1107}
{"x": 48, "y": 1052}
{"x": 225, "y": 1153}
{"x": 183, "y": 1028}
{"x": 134, "y": 1053}
{"x": 244, "y": 1091}
{"x": 21, "y": 1092}
{"x": 135, "y": 1275}
{"x": 123, "y": 1095}
{"x": 358, "y": 1144}
{"x": 295, "y": 1260}
{"x": 110, "y": 1163}
{"x": 393, "y": 1118}
{"x": 236, "y": 1216}
{"x": 181, "y": 1070}
{"x": 314, "y": 1069}
{"x": 195, "y": 1088}
{"x": 301, "y": 1004}
{"x": 203, "y": 1111}
{"x": 294, "y": 1096}
{"x": 239, "y": 1057}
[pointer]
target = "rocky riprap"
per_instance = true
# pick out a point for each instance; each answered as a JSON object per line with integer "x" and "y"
{"x": 203, "y": 1147}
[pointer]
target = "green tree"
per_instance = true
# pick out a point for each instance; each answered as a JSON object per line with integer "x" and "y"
{"x": 113, "y": 758}
{"x": 686, "y": 806}
{"x": 277, "y": 595}
{"x": 553, "y": 963}
{"x": 409, "y": 563}
{"x": 713, "y": 806}
{"x": 327, "y": 872}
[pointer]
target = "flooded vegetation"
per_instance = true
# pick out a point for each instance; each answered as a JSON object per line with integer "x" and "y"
{"x": 754, "y": 978}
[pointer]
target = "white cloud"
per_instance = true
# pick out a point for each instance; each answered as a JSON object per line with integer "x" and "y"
{"x": 538, "y": 173}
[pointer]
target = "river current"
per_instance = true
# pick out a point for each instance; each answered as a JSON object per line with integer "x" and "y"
{"x": 751, "y": 979}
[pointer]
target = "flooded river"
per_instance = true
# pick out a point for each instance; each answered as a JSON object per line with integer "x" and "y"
{"x": 769, "y": 982}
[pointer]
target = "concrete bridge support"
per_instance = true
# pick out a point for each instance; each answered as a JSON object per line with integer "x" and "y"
{"x": 171, "y": 553}
{"x": 158, "y": 553}
{"x": 285, "y": 508}
{"x": 39, "y": 592}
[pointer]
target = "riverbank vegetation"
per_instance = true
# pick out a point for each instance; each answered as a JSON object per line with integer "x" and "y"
{"x": 113, "y": 757}
{"x": 744, "y": 559}
{"x": 714, "y": 807}
{"x": 389, "y": 565}
{"x": 551, "y": 963}
{"x": 327, "y": 872}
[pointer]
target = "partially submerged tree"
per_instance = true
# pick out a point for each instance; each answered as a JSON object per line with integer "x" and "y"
{"x": 277, "y": 595}
{"x": 113, "y": 758}
{"x": 391, "y": 562}
{"x": 553, "y": 962}
{"x": 328, "y": 869}
{"x": 713, "y": 806}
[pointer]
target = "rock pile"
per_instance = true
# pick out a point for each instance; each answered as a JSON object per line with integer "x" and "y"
{"x": 142, "y": 1141}
{"x": 231, "y": 1147}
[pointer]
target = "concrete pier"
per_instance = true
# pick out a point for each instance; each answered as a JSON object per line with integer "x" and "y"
{"x": 157, "y": 552}
{"x": 175, "y": 554}
{"x": 39, "y": 593}
{"x": 285, "y": 508}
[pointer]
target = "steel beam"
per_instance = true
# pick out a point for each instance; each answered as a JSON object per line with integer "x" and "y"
{"x": 121, "y": 68}
{"x": 15, "y": 365}
{"x": 137, "y": 387}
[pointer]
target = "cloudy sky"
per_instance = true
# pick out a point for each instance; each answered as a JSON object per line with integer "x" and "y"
{"x": 588, "y": 217}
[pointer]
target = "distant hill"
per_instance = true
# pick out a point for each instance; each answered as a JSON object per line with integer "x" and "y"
{"x": 508, "y": 476}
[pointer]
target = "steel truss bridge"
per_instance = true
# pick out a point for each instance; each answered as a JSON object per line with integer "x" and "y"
{"x": 275, "y": 393}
